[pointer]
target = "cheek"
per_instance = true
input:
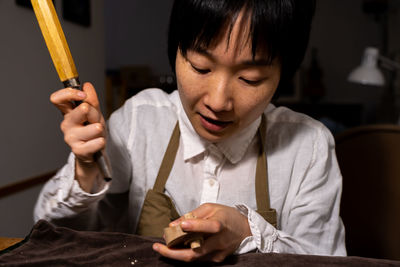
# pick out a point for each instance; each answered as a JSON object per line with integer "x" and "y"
{"x": 188, "y": 91}
{"x": 190, "y": 87}
{"x": 255, "y": 106}
{"x": 265, "y": 95}
{"x": 182, "y": 81}
{"x": 253, "y": 103}
{"x": 260, "y": 95}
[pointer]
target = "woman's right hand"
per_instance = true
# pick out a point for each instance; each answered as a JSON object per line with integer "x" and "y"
{"x": 84, "y": 129}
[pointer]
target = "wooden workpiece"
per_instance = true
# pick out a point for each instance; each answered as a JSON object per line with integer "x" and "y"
{"x": 174, "y": 236}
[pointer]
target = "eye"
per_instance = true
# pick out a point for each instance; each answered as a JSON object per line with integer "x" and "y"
{"x": 251, "y": 82}
{"x": 199, "y": 70}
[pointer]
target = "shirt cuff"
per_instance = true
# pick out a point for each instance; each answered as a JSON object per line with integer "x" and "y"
{"x": 69, "y": 193}
{"x": 263, "y": 233}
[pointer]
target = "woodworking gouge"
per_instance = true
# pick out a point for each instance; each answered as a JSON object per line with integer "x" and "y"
{"x": 60, "y": 54}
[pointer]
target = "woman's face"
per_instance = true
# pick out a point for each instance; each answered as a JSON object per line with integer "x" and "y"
{"x": 223, "y": 89}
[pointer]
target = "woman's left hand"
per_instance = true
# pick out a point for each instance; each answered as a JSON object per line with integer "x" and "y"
{"x": 224, "y": 228}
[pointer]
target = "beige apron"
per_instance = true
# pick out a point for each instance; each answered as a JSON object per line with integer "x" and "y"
{"x": 158, "y": 210}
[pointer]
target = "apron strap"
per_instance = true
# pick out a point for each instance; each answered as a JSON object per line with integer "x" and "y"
{"x": 168, "y": 160}
{"x": 262, "y": 190}
{"x": 261, "y": 171}
{"x": 158, "y": 210}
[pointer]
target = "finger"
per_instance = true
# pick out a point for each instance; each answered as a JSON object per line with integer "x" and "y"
{"x": 84, "y": 133}
{"x": 91, "y": 98}
{"x": 94, "y": 115}
{"x": 188, "y": 215}
{"x": 202, "y": 225}
{"x": 176, "y": 222}
{"x": 205, "y": 210}
{"x": 186, "y": 255}
{"x": 63, "y": 98}
{"x": 212, "y": 245}
{"x": 214, "y": 256}
{"x": 85, "y": 150}
{"x": 82, "y": 114}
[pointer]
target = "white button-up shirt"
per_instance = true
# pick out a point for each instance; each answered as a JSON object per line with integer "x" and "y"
{"x": 304, "y": 177}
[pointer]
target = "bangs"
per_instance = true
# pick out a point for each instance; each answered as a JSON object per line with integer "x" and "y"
{"x": 199, "y": 25}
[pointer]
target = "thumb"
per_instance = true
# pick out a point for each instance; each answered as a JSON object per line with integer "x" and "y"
{"x": 91, "y": 95}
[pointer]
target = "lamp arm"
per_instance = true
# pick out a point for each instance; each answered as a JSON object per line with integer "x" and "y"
{"x": 389, "y": 63}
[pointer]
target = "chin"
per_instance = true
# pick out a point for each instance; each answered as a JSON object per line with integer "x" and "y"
{"x": 211, "y": 136}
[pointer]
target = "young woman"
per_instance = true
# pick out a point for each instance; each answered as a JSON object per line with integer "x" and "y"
{"x": 255, "y": 176}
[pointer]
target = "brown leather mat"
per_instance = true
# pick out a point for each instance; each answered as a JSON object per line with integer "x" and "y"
{"x": 57, "y": 246}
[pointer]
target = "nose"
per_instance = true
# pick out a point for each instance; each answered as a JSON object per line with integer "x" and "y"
{"x": 219, "y": 96}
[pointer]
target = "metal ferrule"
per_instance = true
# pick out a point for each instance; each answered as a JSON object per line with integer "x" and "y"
{"x": 73, "y": 83}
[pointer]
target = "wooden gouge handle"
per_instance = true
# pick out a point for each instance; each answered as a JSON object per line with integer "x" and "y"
{"x": 63, "y": 62}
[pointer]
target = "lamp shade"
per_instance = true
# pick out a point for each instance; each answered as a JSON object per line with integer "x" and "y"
{"x": 368, "y": 72}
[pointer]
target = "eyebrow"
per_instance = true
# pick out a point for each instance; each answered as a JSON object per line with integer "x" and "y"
{"x": 252, "y": 62}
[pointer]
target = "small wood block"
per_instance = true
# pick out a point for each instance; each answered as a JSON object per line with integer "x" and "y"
{"x": 174, "y": 236}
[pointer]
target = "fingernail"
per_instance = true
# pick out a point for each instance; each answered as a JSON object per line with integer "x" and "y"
{"x": 155, "y": 247}
{"x": 185, "y": 224}
{"x": 81, "y": 94}
{"x": 175, "y": 223}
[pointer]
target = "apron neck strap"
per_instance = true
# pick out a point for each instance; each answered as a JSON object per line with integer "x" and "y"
{"x": 168, "y": 160}
{"x": 262, "y": 190}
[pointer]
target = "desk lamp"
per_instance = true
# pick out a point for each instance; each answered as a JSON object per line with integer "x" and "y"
{"x": 368, "y": 72}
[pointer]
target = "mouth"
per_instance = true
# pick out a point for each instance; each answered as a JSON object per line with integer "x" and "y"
{"x": 214, "y": 125}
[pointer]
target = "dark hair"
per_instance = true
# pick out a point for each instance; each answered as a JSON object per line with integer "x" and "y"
{"x": 282, "y": 27}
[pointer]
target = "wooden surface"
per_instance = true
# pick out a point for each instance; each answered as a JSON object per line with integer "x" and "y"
{"x": 6, "y": 242}
{"x": 55, "y": 39}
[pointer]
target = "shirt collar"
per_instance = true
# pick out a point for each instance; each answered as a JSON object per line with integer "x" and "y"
{"x": 236, "y": 146}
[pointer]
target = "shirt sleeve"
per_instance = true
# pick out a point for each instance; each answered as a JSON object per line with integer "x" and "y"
{"x": 313, "y": 225}
{"x": 63, "y": 202}
{"x": 62, "y": 197}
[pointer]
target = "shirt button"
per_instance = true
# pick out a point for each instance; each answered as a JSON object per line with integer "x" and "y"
{"x": 211, "y": 182}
